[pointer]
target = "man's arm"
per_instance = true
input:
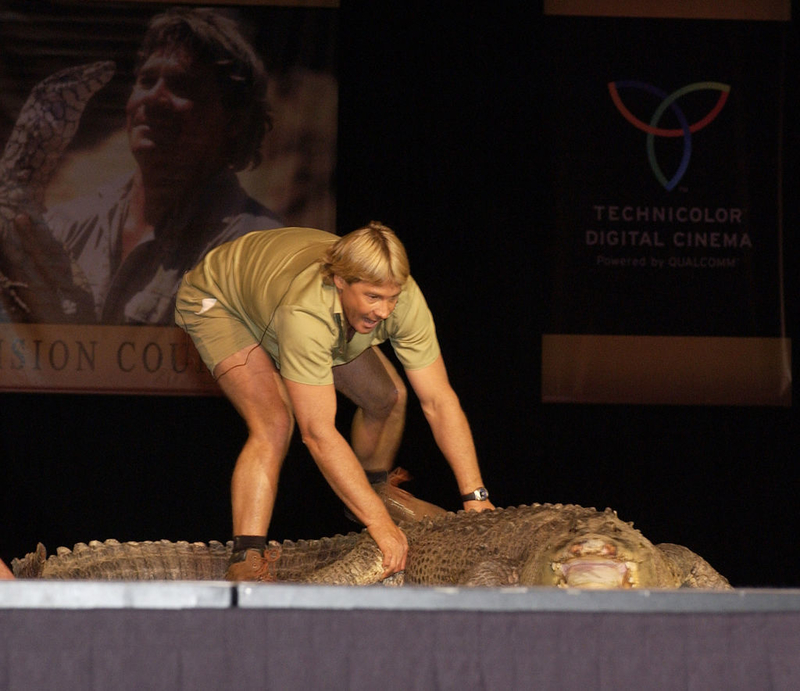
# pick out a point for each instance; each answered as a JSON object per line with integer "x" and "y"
{"x": 315, "y": 412}
{"x": 450, "y": 427}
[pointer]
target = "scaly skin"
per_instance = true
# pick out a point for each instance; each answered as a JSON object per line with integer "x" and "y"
{"x": 538, "y": 545}
{"x": 38, "y": 280}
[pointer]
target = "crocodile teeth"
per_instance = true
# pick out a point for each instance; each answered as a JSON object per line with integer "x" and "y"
{"x": 595, "y": 573}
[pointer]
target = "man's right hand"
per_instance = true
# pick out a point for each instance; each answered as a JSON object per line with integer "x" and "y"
{"x": 392, "y": 543}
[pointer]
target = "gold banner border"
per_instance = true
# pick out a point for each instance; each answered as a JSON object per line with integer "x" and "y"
{"x": 747, "y": 10}
{"x": 666, "y": 370}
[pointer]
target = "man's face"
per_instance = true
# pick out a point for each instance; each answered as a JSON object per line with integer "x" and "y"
{"x": 175, "y": 119}
{"x": 365, "y": 305}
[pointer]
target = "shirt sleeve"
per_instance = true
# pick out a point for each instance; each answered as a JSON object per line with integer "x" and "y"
{"x": 305, "y": 346}
{"x": 412, "y": 330}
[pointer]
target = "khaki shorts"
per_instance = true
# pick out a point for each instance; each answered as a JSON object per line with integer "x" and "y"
{"x": 216, "y": 332}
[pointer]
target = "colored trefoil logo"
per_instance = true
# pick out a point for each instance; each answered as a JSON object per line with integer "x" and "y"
{"x": 652, "y": 128}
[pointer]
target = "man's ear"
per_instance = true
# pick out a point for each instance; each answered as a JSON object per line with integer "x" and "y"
{"x": 339, "y": 282}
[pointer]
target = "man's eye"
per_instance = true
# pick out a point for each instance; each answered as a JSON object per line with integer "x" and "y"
{"x": 182, "y": 86}
{"x": 145, "y": 81}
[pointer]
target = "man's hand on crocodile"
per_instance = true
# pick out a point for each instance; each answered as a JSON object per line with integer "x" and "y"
{"x": 478, "y": 506}
{"x": 392, "y": 543}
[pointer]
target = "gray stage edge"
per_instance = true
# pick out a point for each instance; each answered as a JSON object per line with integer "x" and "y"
{"x": 33, "y": 594}
{"x": 195, "y": 636}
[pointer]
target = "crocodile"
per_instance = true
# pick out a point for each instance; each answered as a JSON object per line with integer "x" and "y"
{"x": 561, "y": 545}
{"x": 38, "y": 279}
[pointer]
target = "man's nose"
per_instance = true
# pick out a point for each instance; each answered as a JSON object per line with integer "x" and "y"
{"x": 158, "y": 93}
{"x": 383, "y": 310}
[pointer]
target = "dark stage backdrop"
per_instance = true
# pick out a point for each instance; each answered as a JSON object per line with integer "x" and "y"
{"x": 445, "y": 133}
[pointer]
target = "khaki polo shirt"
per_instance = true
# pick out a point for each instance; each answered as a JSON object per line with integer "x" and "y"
{"x": 270, "y": 281}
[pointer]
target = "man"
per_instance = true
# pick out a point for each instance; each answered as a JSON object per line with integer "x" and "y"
{"x": 197, "y": 114}
{"x": 285, "y": 318}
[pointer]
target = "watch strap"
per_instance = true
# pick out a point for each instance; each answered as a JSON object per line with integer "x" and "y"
{"x": 480, "y": 494}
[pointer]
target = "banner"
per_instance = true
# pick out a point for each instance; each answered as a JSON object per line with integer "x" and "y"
{"x": 768, "y": 10}
{"x": 666, "y": 244}
{"x": 138, "y": 136}
{"x": 92, "y": 359}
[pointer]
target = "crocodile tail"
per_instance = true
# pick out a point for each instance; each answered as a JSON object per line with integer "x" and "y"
{"x": 135, "y": 561}
{"x": 31, "y": 565}
{"x": 362, "y": 565}
{"x": 298, "y": 560}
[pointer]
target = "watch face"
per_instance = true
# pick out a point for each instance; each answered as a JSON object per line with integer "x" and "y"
{"x": 481, "y": 494}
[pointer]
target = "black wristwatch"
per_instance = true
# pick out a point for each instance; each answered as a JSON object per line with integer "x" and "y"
{"x": 480, "y": 494}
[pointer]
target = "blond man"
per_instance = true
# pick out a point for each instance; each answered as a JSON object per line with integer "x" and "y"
{"x": 283, "y": 319}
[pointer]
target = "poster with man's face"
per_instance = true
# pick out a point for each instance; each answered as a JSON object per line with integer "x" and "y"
{"x": 136, "y": 138}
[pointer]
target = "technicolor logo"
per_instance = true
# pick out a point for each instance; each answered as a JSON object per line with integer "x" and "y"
{"x": 652, "y": 128}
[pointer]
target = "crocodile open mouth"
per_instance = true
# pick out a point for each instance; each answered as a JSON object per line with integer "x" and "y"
{"x": 594, "y": 572}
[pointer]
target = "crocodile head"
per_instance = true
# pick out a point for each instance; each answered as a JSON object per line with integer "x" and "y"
{"x": 598, "y": 551}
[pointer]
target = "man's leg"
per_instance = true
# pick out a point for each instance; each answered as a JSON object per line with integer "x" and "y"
{"x": 253, "y": 385}
{"x": 373, "y": 384}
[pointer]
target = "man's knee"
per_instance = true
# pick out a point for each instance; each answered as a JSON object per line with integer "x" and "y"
{"x": 274, "y": 428}
{"x": 389, "y": 400}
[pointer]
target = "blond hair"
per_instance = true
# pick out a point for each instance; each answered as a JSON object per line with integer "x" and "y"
{"x": 373, "y": 254}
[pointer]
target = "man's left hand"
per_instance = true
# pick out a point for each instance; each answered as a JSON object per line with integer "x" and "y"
{"x": 474, "y": 505}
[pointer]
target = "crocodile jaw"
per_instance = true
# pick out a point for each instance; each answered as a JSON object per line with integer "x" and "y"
{"x": 594, "y": 573}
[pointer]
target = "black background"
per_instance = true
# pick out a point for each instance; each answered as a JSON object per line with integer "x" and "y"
{"x": 440, "y": 137}
{"x": 733, "y": 164}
